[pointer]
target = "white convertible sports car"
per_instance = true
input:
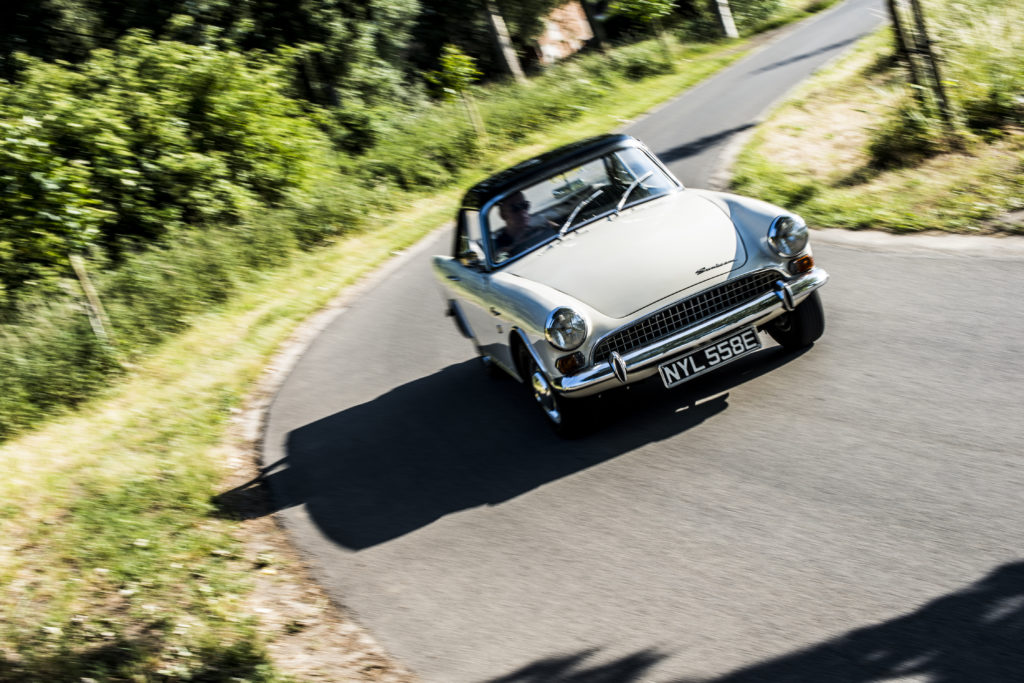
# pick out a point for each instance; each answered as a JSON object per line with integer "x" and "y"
{"x": 591, "y": 267}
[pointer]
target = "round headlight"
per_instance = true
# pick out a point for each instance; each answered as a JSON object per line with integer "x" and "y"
{"x": 788, "y": 235}
{"x": 566, "y": 329}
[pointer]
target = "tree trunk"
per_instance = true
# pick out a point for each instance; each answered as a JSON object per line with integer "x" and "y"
{"x": 724, "y": 13}
{"x": 924, "y": 46}
{"x": 97, "y": 316}
{"x": 504, "y": 43}
{"x": 906, "y": 50}
{"x": 596, "y": 27}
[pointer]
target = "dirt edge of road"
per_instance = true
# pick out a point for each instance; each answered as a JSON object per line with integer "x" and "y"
{"x": 309, "y": 636}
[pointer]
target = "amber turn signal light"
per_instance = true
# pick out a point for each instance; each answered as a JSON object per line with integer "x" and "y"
{"x": 569, "y": 364}
{"x": 801, "y": 265}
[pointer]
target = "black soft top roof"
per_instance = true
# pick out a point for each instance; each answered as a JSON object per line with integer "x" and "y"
{"x": 538, "y": 167}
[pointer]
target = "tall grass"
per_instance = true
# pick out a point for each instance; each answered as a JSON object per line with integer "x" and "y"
{"x": 982, "y": 63}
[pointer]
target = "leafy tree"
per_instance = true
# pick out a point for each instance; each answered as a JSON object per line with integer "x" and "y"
{"x": 351, "y": 52}
{"x": 48, "y": 206}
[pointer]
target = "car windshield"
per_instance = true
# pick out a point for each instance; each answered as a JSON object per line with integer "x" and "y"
{"x": 543, "y": 211}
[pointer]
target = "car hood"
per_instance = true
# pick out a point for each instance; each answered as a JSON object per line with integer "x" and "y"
{"x": 619, "y": 265}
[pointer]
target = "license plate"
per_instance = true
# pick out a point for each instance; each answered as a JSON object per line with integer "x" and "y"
{"x": 710, "y": 356}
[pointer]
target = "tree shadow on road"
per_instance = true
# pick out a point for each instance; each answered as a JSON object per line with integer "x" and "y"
{"x": 457, "y": 440}
{"x": 975, "y": 635}
{"x": 695, "y": 147}
{"x": 807, "y": 55}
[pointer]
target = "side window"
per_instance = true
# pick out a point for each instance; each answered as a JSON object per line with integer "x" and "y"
{"x": 468, "y": 246}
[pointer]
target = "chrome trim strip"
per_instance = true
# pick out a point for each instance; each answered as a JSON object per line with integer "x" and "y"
{"x": 643, "y": 362}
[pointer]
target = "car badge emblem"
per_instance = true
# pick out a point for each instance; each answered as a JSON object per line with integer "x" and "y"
{"x": 705, "y": 269}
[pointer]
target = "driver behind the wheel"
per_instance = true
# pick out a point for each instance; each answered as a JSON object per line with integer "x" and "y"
{"x": 520, "y": 231}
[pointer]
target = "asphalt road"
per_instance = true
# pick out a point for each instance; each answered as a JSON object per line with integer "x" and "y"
{"x": 850, "y": 513}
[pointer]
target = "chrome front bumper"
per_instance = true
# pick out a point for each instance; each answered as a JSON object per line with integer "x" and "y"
{"x": 643, "y": 362}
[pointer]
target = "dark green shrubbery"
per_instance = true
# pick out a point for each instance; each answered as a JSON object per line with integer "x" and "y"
{"x": 136, "y": 141}
{"x": 639, "y": 61}
{"x": 750, "y": 14}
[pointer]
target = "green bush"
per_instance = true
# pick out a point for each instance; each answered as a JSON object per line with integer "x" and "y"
{"x": 142, "y": 139}
{"x": 750, "y": 14}
{"x": 48, "y": 206}
{"x": 639, "y": 61}
{"x": 424, "y": 150}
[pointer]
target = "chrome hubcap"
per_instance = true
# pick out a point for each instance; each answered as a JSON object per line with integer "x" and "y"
{"x": 545, "y": 397}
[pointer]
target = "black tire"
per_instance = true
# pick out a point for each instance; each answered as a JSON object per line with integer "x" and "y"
{"x": 567, "y": 417}
{"x": 800, "y": 327}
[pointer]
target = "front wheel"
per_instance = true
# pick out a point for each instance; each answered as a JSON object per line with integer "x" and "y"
{"x": 567, "y": 417}
{"x": 800, "y": 327}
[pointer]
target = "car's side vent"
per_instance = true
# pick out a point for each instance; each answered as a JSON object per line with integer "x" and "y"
{"x": 689, "y": 311}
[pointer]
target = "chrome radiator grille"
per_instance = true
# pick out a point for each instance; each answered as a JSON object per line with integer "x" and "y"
{"x": 687, "y": 312}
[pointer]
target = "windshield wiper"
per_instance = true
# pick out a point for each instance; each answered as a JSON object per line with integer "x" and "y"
{"x": 632, "y": 186}
{"x": 579, "y": 207}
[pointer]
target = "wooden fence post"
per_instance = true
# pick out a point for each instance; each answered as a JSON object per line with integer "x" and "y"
{"x": 97, "y": 316}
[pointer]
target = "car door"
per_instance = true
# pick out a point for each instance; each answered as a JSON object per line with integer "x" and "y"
{"x": 468, "y": 285}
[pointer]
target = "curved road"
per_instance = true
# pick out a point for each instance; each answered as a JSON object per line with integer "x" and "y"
{"x": 850, "y": 513}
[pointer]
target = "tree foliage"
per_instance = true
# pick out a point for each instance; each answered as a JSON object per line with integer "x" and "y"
{"x": 140, "y": 139}
{"x": 456, "y": 73}
{"x": 646, "y": 11}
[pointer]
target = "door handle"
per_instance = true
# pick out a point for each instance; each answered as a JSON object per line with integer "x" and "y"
{"x": 454, "y": 278}
{"x": 495, "y": 311}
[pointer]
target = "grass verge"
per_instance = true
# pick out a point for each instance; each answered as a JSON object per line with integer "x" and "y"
{"x": 118, "y": 558}
{"x": 815, "y": 155}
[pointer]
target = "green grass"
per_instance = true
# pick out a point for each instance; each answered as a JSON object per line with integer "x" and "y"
{"x": 115, "y": 561}
{"x": 852, "y": 150}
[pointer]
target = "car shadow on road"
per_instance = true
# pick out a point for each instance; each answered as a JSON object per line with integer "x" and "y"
{"x": 457, "y": 439}
{"x": 974, "y": 635}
